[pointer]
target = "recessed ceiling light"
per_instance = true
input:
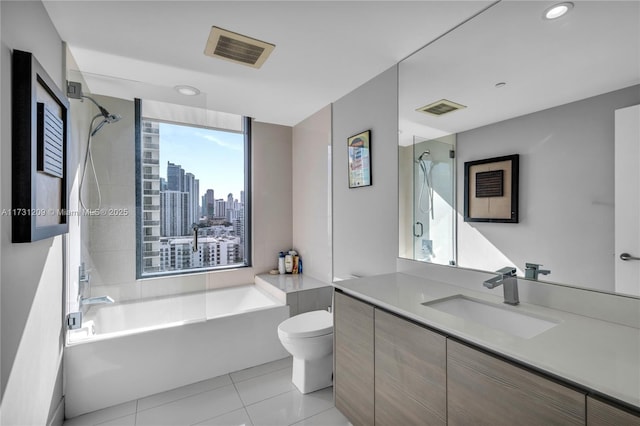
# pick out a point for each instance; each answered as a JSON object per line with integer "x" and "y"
{"x": 187, "y": 90}
{"x": 557, "y": 10}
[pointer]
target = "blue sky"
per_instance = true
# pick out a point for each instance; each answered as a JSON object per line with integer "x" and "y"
{"x": 215, "y": 157}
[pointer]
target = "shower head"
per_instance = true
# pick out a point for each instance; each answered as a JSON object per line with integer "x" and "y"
{"x": 424, "y": 154}
{"x": 110, "y": 118}
{"x": 106, "y": 115}
{"x": 103, "y": 110}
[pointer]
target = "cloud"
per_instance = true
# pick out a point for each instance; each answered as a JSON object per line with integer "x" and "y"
{"x": 220, "y": 142}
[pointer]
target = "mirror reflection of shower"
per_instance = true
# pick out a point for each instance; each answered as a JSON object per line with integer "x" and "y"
{"x": 426, "y": 166}
{"x": 434, "y": 200}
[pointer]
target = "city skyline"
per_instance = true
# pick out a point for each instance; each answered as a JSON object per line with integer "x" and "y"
{"x": 202, "y": 194}
{"x": 172, "y": 196}
{"x": 222, "y": 154}
{"x": 181, "y": 180}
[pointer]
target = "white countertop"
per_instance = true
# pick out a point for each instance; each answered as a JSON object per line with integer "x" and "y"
{"x": 292, "y": 282}
{"x": 601, "y": 356}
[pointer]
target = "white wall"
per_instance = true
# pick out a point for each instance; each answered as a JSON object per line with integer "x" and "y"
{"x": 312, "y": 193}
{"x": 405, "y": 202}
{"x": 365, "y": 231}
{"x": 32, "y": 273}
{"x": 566, "y": 192}
{"x": 272, "y": 209}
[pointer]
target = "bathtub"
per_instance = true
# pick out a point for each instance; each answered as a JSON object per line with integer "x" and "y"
{"x": 137, "y": 349}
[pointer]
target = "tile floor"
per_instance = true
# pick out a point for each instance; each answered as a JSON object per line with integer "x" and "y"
{"x": 261, "y": 395}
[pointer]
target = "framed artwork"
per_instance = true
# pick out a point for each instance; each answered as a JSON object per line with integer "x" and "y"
{"x": 359, "y": 149}
{"x": 40, "y": 137}
{"x": 491, "y": 190}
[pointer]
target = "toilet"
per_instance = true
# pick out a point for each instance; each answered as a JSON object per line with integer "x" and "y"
{"x": 309, "y": 338}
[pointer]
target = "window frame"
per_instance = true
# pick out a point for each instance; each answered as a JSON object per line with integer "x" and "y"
{"x": 139, "y": 169}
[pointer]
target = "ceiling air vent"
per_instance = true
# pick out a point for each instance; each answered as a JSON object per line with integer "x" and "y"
{"x": 440, "y": 107}
{"x": 237, "y": 48}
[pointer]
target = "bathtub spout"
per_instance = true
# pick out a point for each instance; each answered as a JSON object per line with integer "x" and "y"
{"x": 95, "y": 300}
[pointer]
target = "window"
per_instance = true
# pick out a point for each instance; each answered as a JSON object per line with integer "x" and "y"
{"x": 191, "y": 179}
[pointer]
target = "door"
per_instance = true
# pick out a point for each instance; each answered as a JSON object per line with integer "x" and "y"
{"x": 627, "y": 199}
{"x": 434, "y": 200}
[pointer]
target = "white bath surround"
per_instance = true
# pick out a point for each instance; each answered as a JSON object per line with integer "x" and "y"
{"x": 152, "y": 346}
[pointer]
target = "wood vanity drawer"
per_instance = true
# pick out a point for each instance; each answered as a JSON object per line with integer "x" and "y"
{"x": 410, "y": 373}
{"x": 485, "y": 390}
{"x": 602, "y": 414}
{"x": 353, "y": 351}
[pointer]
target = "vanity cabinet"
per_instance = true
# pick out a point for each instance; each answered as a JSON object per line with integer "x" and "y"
{"x": 391, "y": 371}
{"x": 353, "y": 370}
{"x": 410, "y": 373}
{"x": 602, "y": 414}
{"x": 485, "y": 390}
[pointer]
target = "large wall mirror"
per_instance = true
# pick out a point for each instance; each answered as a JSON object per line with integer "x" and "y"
{"x": 563, "y": 95}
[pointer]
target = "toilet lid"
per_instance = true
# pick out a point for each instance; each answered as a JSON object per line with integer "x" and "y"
{"x": 309, "y": 324}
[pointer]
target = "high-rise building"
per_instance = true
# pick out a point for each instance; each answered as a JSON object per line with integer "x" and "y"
{"x": 238, "y": 228}
{"x": 230, "y": 213}
{"x": 190, "y": 186}
{"x": 220, "y": 208}
{"x": 208, "y": 205}
{"x": 174, "y": 214}
{"x": 175, "y": 177}
{"x": 196, "y": 201}
{"x": 150, "y": 196}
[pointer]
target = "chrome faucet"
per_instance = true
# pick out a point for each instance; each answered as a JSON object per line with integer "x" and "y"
{"x": 532, "y": 270}
{"x": 507, "y": 277}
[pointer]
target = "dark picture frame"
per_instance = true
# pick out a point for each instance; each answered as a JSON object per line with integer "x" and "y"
{"x": 359, "y": 159}
{"x": 491, "y": 189}
{"x": 40, "y": 138}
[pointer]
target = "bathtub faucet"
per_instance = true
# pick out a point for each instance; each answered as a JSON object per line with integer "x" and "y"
{"x": 95, "y": 300}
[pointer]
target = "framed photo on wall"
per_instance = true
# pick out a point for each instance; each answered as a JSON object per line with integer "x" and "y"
{"x": 359, "y": 151}
{"x": 40, "y": 138}
{"x": 491, "y": 190}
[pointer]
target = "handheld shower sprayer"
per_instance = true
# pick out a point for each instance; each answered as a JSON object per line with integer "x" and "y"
{"x": 107, "y": 118}
{"x": 424, "y": 154}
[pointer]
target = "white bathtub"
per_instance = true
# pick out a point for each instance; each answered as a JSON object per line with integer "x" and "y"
{"x": 155, "y": 345}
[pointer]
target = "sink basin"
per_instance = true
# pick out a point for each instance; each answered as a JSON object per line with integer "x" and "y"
{"x": 498, "y": 317}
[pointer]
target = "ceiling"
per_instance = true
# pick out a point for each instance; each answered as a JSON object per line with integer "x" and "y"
{"x": 592, "y": 50}
{"x": 324, "y": 49}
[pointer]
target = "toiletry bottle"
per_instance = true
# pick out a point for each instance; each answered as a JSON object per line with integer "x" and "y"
{"x": 281, "y": 267}
{"x": 288, "y": 263}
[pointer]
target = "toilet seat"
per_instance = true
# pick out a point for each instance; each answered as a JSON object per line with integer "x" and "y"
{"x": 309, "y": 324}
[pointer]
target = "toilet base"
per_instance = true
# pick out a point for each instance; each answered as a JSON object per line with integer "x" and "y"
{"x": 312, "y": 375}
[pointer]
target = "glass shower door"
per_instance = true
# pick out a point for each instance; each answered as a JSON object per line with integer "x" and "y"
{"x": 434, "y": 200}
